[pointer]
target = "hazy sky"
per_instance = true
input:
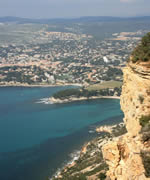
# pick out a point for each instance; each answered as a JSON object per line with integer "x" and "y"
{"x": 73, "y": 8}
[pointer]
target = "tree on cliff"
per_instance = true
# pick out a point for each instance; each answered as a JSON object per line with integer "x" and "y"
{"x": 142, "y": 51}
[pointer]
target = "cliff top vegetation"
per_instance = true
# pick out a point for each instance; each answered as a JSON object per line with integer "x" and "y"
{"x": 142, "y": 51}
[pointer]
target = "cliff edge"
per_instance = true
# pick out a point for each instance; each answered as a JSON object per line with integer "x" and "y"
{"x": 128, "y": 156}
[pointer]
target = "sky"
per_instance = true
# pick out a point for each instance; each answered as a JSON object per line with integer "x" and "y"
{"x": 73, "y": 8}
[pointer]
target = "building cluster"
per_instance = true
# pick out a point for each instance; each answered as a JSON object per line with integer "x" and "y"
{"x": 67, "y": 58}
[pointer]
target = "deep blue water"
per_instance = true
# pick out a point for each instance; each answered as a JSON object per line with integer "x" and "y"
{"x": 36, "y": 138}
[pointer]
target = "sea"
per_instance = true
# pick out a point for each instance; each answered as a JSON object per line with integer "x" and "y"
{"x": 37, "y": 138}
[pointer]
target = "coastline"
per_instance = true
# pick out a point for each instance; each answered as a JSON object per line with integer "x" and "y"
{"x": 79, "y": 154}
{"x": 40, "y": 85}
{"x": 51, "y": 147}
{"x": 53, "y": 100}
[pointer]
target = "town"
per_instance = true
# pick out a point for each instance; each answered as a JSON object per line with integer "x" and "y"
{"x": 60, "y": 58}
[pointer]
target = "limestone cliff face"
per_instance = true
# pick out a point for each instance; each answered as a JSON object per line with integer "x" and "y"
{"x": 135, "y": 98}
{"x": 123, "y": 154}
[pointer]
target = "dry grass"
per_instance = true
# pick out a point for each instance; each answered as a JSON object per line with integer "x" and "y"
{"x": 105, "y": 85}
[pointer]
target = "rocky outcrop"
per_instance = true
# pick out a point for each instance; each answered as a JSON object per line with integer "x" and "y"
{"x": 123, "y": 154}
{"x": 135, "y": 98}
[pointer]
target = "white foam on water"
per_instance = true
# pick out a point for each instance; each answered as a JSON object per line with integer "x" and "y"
{"x": 74, "y": 156}
{"x": 44, "y": 101}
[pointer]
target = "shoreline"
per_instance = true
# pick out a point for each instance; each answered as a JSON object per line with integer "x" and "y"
{"x": 77, "y": 154}
{"x": 72, "y": 142}
{"x": 53, "y": 100}
{"x": 40, "y": 85}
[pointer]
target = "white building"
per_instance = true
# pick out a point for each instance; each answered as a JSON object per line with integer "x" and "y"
{"x": 105, "y": 59}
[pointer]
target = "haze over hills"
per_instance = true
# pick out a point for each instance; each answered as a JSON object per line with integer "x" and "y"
{"x": 89, "y": 51}
{"x": 12, "y": 19}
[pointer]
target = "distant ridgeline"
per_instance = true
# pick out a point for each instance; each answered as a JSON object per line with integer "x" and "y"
{"x": 142, "y": 51}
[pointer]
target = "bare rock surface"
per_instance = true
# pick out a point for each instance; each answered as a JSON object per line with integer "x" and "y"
{"x": 123, "y": 154}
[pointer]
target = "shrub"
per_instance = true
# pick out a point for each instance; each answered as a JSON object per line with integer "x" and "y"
{"x": 141, "y": 99}
{"x": 146, "y": 162}
{"x": 78, "y": 177}
{"x": 145, "y": 123}
{"x": 119, "y": 130}
{"x": 142, "y": 51}
{"x": 144, "y": 120}
{"x": 146, "y": 136}
{"x": 102, "y": 176}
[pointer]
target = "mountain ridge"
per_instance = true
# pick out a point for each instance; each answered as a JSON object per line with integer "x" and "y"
{"x": 13, "y": 19}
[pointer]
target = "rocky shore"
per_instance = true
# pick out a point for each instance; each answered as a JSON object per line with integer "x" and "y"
{"x": 90, "y": 163}
{"x": 73, "y": 99}
{"x": 124, "y": 151}
{"x": 108, "y": 129}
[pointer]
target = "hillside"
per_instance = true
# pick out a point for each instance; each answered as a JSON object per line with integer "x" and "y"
{"x": 123, "y": 155}
{"x": 12, "y": 19}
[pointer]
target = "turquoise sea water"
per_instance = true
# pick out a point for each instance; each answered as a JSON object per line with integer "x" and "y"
{"x": 36, "y": 138}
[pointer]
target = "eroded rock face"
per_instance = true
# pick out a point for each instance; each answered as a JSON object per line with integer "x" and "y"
{"x": 124, "y": 160}
{"x": 135, "y": 97}
{"x": 123, "y": 155}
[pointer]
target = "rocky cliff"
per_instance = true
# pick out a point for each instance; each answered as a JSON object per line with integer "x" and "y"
{"x": 128, "y": 156}
{"x": 127, "y": 153}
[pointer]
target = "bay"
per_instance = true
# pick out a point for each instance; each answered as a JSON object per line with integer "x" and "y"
{"x": 36, "y": 138}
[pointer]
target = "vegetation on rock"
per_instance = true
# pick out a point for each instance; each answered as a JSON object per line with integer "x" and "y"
{"x": 102, "y": 176}
{"x": 91, "y": 164}
{"x": 145, "y": 123}
{"x": 144, "y": 120}
{"x": 141, "y": 99}
{"x": 146, "y": 162}
{"x": 142, "y": 51}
